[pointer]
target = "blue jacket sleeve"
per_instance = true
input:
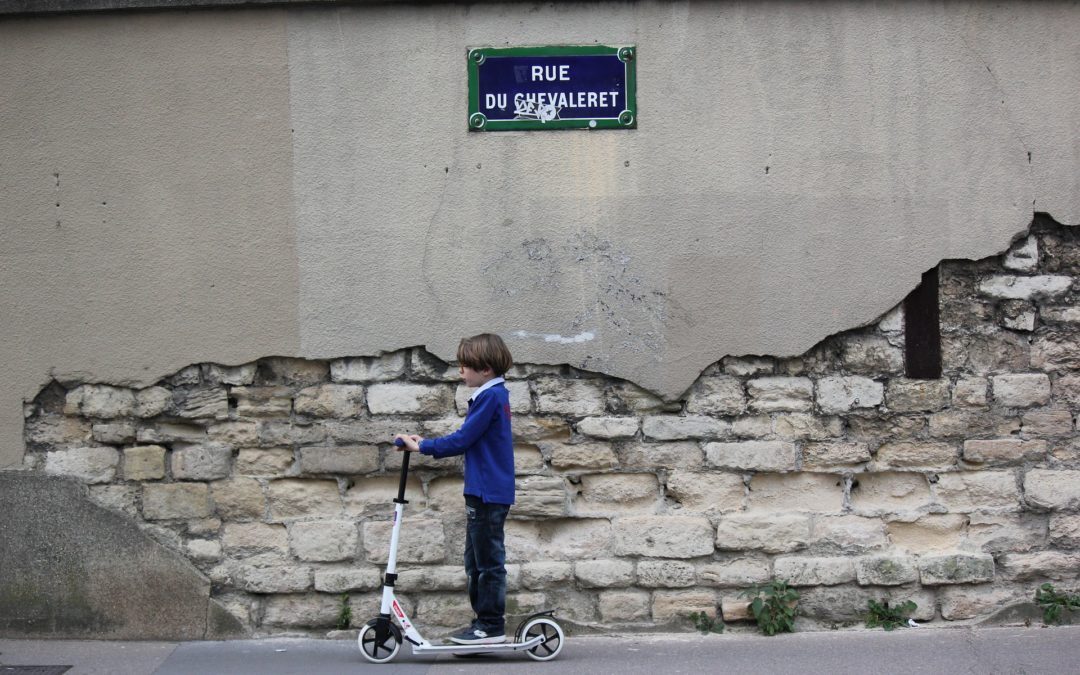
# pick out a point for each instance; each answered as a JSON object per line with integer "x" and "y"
{"x": 477, "y": 420}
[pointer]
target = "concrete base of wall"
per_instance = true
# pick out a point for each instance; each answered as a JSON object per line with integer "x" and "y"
{"x": 71, "y": 569}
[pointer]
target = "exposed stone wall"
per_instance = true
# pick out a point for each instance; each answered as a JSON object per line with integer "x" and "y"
{"x": 830, "y": 470}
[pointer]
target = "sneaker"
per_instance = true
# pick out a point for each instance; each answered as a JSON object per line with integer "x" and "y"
{"x": 474, "y": 635}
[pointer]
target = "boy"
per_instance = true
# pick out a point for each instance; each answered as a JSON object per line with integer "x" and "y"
{"x": 485, "y": 440}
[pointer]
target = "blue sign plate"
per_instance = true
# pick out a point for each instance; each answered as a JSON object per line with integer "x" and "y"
{"x": 564, "y": 87}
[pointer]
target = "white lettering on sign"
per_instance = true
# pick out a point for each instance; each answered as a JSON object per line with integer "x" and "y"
{"x": 551, "y": 73}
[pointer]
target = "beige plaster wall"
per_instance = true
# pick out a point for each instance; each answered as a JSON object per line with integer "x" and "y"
{"x": 245, "y": 183}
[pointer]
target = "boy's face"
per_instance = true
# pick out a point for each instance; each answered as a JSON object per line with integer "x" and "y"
{"x": 475, "y": 378}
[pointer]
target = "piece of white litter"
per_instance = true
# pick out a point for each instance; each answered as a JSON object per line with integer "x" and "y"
{"x": 281, "y": 650}
{"x": 911, "y": 624}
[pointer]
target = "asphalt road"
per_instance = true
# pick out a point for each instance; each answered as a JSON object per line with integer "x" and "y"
{"x": 1011, "y": 651}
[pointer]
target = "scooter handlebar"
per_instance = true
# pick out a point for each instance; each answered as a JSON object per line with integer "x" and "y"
{"x": 404, "y": 472}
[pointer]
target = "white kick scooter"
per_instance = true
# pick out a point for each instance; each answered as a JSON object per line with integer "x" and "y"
{"x": 539, "y": 635}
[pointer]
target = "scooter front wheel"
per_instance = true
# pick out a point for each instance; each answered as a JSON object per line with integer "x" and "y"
{"x": 374, "y": 649}
{"x": 553, "y": 636}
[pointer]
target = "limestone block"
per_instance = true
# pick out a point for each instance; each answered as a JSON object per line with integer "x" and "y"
{"x": 1056, "y": 490}
{"x": 444, "y": 610}
{"x": 1037, "y": 287}
{"x": 870, "y": 354}
{"x": 1066, "y": 451}
{"x": 956, "y": 568}
{"x": 231, "y": 375}
{"x": 970, "y": 392}
{"x": 1003, "y": 451}
{"x": 528, "y": 459}
{"x": 116, "y": 497}
{"x": 350, "y": 459}
{"x": 380, "y": 368}
{"x": 298, "y": 498}
{"x": 834, "y": 455}
{"x": 422, "y": 541}
{"x": 90, "y": 465}
{"x": 1065, "y": 530}
{"x": 443, "y": 494}
{"x": 576, "y": 398}
{"x": 323, "y": 540}
{"x": 807, "y": 427}
{"x": 814, "y": 492}
{"x": 273, "y": 433}
{"x": 699, "y": 491}
{"x": 433, "y": 578}
{"x": 904, "y": 395}
{"x": 249, "y": 538}
{"x": 847, "y": 535}
{"x": 114, "y": 433}
{"x": 804, "y": 571}
{"x": 100, "y": 401}
{"x": 533, "y": 429}
{"x": 292, "y": 371}
{"x": 665, "y": 574}
{"x": 1023, "y": 256}
{"x": 893, "y": 320}
{"x": 209, "y": 461}
{"x": 849, "y": 603}
{"x": 1065, "y": 390}
{"x": 144, "y": 462}
{"x": 968, "y": 491}
{"x": 546, "y": 574}
{"x": 772, "y": 394}
{"x": 186, "y": 377}
{"x": 257, "y": 576}
{"x": 330, "y": 400}
{"x": 753, "y": 426}
{"x": 1069, "y": 315}
{"x": 152, "y": 401}
{"x": 539, "y": 497}
{"x": 203, "y": 526}
{"x": 930, "y": 533}
{"x": 1007, "y": 532}
{"x": 745, "y": 366}
{"x": 623, "y": 606}
{"x": 572, "y": 539}
{"x": 588, "y": 456}
{"x": 874, "y": 428}
{"x": 1055, "y": 352}
{"x": 606, "y": 573}
{"x": 736, "y": 608}
{"x": 676, "y": 427}
{"x": 839, "y": 394}
{"x": 427, "y": 366}
{"x": 169, "y": 432}
{"x": 966, "y": 424}
{"x": 915, "y": 454}
{"x": 203, "y": 549}
{"x": 409, "y": 399}
{"x": 778, "y": 533}
{"x": 56, "y": 431}
{"x": 676, "y": 605}
{"x": 626, "y": 398}
{"x": 734, "y": 572}
{"x": 200, "y": 403}
{"x": 882, "y": 493}
{"x": 375, "y": 495}
{"x": 262, "y": 401}
{"x": 717, "y": 396}
{"x": 1018, "y": 315}
{"x": 1040, "y": 566}
{"x": 751, "y": 455}
{"x": 235, "y": 433}
{"x": 309, "y": 610}
{"x": 1021, "y": 390}
{"x": 349, "y": 579}
{"x": 1049, "y": 423}
{"x": 264, "y": 462}
{"x": 176, "y": 500}
{"x": 886, "y": 570}
{"x": 663, "y": 536}
{"x": 969, "y": 602}
{"x": 609, "y": 427}
{"x": 678, "y": 455}
{"x": 238, "y": 498}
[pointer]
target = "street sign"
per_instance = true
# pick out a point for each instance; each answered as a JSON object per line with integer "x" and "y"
{"x": 558, "y": 87}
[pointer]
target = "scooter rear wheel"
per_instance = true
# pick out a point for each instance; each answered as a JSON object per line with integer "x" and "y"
{"x": 374, "y": 650}
{"x": 553, "y": 638}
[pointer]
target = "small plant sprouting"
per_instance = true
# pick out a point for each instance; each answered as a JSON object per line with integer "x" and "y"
{"x": 344, "y": 617}
{"x": 1054, "y": 602}
{"x": 881, "y": 614}
{"x": 773, "y": 607}
{"x": 705, "y": 623}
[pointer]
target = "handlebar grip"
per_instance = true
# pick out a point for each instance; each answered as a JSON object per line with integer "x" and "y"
{"x": 398, "y": 442}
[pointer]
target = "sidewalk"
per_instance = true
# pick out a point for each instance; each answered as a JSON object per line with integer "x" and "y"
{"x": 906, "y": 652}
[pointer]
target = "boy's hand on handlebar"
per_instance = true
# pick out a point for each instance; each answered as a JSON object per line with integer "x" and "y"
{"x": 410, "y": 442}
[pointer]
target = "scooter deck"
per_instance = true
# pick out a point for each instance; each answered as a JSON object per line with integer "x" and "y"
{"x": 472, "y": 650}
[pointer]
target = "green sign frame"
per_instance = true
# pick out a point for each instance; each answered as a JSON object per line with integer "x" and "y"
{"x": 626, "y": 119}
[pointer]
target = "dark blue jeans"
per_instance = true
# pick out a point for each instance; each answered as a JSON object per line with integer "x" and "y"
{"x": 485, "y": 562}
